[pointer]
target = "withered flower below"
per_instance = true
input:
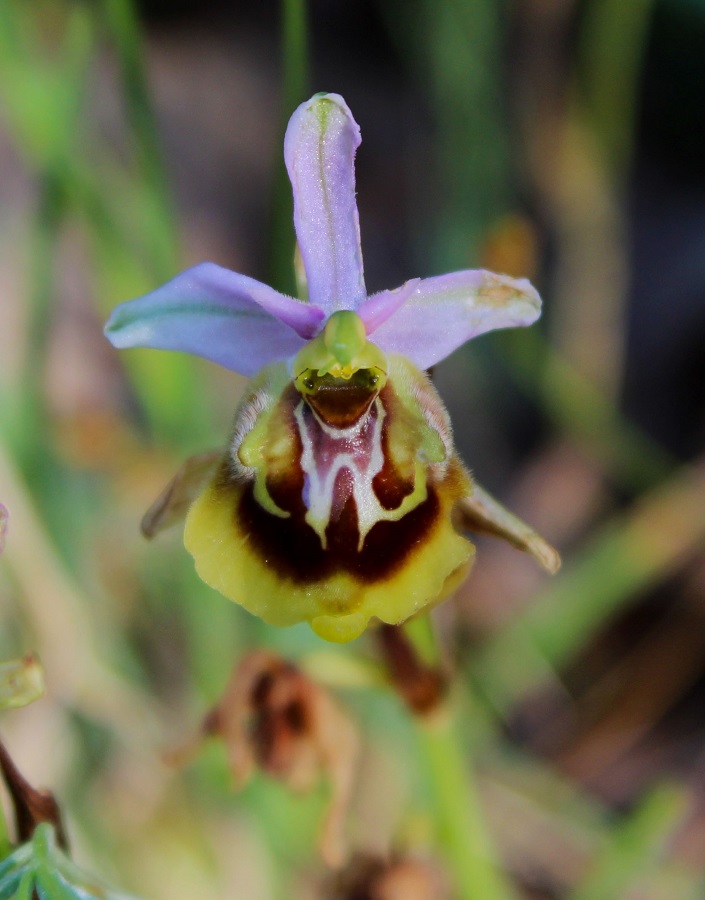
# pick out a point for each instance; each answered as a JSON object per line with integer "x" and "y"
{"x": 375, "y": 878}
{"x": 274, "y": 717}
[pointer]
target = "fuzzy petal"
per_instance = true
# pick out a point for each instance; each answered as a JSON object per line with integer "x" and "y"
{"x": 220, "y": 315}
{"x": 319, "y": 149}
{"x": 446, "y": 311}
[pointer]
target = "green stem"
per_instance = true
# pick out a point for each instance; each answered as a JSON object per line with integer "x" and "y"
{"x": 460, "y": 824}
{"x": 295, "y": 87}
{"x": 25, "y": 889}
{"x": 47, "y": 225}
{"x": 463, "y": 41}
{"x": 461, "y": 829}
{"x": 5, "y": 844}
{"x": 166, "y": 387}
{"x": 294, "y": 54}
{"x": 612, "y": 47}
{"x": 634, "y": 848}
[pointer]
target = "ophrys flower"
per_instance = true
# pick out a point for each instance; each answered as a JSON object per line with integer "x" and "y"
{"x": 332, "y": 502}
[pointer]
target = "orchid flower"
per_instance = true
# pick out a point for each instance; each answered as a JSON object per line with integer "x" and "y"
{"x": 332, "y": 501}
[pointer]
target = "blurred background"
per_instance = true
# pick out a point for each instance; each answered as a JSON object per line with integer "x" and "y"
{"x": 563, "y": 141}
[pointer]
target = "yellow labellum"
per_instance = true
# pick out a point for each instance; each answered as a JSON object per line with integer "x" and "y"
{"x": 338, "y": 607}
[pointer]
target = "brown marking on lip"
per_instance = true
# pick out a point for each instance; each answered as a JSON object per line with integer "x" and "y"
{"x": 343, "y": 522}
{"x": 294, "y": 550}
{"x": 389, "y": 484}
{"x": 289, "y": 545}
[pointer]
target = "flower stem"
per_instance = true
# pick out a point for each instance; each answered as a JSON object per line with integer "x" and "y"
{"x": 5, "y": 845}
{"x": 460, "y": 825}
{"x": 413, "y": 658}
{"x": 295, "y": 78}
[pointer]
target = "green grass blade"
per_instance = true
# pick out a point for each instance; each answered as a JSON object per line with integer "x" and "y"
{"x": 632, "y": 849}
{"x": 631, "y": 552}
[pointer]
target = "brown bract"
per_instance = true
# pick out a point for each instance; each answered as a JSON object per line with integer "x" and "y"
{"x": 423, "y": 687}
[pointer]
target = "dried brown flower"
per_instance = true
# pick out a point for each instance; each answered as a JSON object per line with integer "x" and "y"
{"x": 374, "y": 878}
{"x": 272, "y": 716}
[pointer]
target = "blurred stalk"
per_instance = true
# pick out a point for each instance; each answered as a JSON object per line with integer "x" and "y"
{"x": 461, "y": 828}
{"x": 589, "y": 190}
{"x": 612, "y": 49}
{"x": 591, "y": 275}
{"x": 413, "y": 658}
{"x": 578, "y": 408}
{"x": 169, "y": 384}
{"x": 45, "y": 112}
{"x": 43, "y": 109}
{"x": 295, "y": 87}
{"x": 126, "y": 37}
{"x": 43, "y": 100}
{"x": 464, "y": 41}
{"x": 43, "y": 248}
{"x": 5, "y": 845}
{"x": 295, "y": 54}
{"x": 62, "y": 620}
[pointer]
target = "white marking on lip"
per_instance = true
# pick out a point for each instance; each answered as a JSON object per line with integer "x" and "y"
{"x": 326, "y": 452}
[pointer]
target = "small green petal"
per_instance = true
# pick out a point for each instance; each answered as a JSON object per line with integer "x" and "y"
{"x": 341, "y": 349}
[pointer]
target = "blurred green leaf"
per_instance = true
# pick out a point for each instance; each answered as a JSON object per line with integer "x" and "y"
{"x": 43, "y": 96}
{"x": 13, "y": 869}
{"x": 40, "y": 866}
{"x": 632, "y": 848}
{"x": 295, "y": 82}
{"x": 613, "y": 43}
{"x": 631, "y": 552}
{"x": 579, "y": 409}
